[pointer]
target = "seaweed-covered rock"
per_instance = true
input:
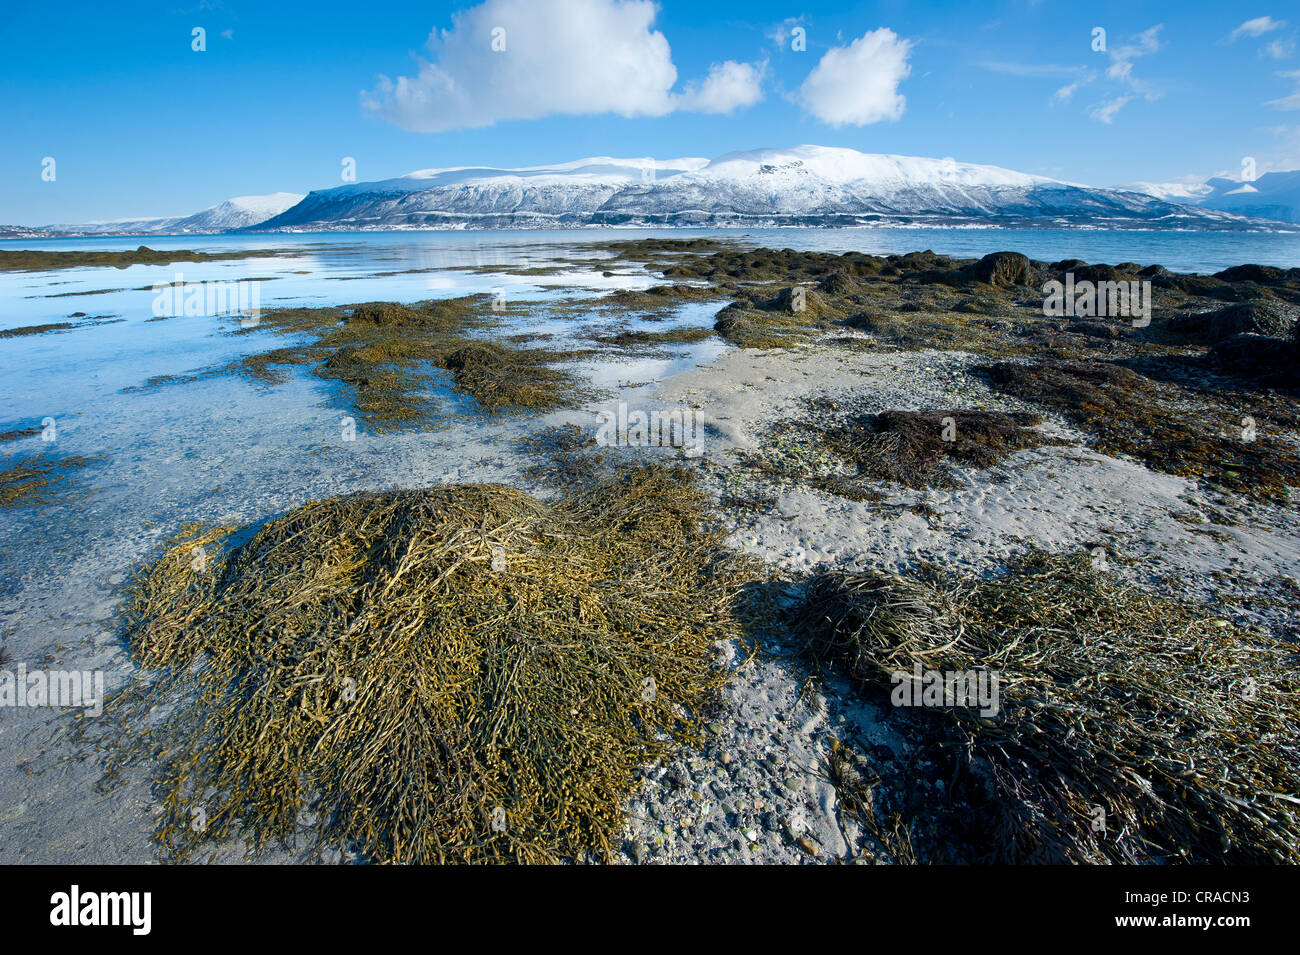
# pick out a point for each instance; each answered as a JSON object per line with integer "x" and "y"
{"x": 1095, "y": 329}
{"x": 1263, "y": 274}
{"x": 798, "y": 299}
{"x": 837, "y": 283}
{"x": 980, "y": 305}
{"x": 1256, "y": 317}
{"x": 1256, "y": 356}
{"x": 1103, "y": 273}
{"x": 1003, "y": 269}
{"x": 921, "y": 260}
{"x": 864, "y": 321}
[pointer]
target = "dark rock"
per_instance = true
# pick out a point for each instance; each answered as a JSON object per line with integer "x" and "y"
{"x": 788, "y": 300}
{"x": 1004, "y": 269}
{"x": 1154, "y": 271}
{"x": 882, "y": 753}
{"x": 863, "y": 321}
{"x": 837, "y": 283}
{"x": 1258, "y": 317}
{"x": 1263, "y": 274}
{"x": 952, "y": 277}
{"x": 921, "y": 260}
{"x": 1267, "y": 317}
{"x": 1095, "y": 329}
{"x": 1102, "y": 273}
{"x": 1256, "y": 356}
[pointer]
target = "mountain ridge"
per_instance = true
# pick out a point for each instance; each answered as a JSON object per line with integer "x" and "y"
{"x": 807, "y": 186}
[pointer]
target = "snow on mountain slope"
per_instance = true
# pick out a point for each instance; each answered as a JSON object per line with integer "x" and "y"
{"x": 1274, "y": 195}
{"x": 1189, "y": 190}
{"x": 804, "y": 185}
{"x": 240, "y": 212}
{"x": 800, "y": 186}
{"x": 237, "y": 213}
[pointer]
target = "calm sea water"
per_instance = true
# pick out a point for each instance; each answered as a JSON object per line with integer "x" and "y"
{"x": 1179, "y": 251}
{"x": 89, "y": 365}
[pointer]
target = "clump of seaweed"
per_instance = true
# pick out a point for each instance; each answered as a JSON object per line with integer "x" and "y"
{"x": 37, "y": 479}
{"x": 639, "y": 338}
{"x": 568, "y": 457}
{"x": 913, "y": 448}
{"x": 392, "y": 357}
{"x": 45, "y": 329}
{"x": 499, "y": 377}
{"x": 850, "y": 454}
{"x": 792, "y": 315}
{"x": 1130, "y": 727}
{"x": 1218, "y": 435}
{"x": 32, "y": 260}
{"x": 454, "y": 674}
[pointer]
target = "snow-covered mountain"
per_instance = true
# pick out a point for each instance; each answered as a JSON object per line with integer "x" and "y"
{"x": 1274, "y": 195}
{"x": 238, "y": 213}
{"x": 802, "y": 186}
{"x": 805, "y": 185}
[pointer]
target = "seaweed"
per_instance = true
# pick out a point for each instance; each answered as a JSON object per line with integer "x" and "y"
{"x": 1129, "y": 727}
{"x": 454, "y": 674}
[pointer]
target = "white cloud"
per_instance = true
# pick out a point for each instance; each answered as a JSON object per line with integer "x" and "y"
{"x": 1256, "y": 27}
{"x": 1066, "y": 93}
{"x": 1279, "y": 49}
{"x": 1292, "y": 101}
{"x": 525, "y": 59}
{"x": 781, "y": 35}
{"x": 1105, "y": 113}
{"x": 728, "y": 87}
{"x": 858, "y": 84}
{"x": 1121, "y": 66}
{"x": 1120, "y": 71}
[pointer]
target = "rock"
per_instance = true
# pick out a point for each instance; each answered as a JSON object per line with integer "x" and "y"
{"x": 1263, "y": 274}
{"x": 1068, "y": 265}
{"x": 863, "y": 322}
{"x": 1256, "y": 356}
{"x": 837, "y": 283}
{"x": 1101, "y": 273}
{"x": 882, "y": 753}
{"x": 921, "y": 260}
{"x": 1095, "y": 329}
{"x": 1258, "y": 317}
{"x": 1004, "y": 269}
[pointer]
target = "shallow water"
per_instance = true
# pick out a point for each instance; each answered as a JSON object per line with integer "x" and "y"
{"x": 223, "y": 449}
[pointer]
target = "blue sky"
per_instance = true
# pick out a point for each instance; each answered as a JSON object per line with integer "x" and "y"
{"x": 139, "y": 123}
